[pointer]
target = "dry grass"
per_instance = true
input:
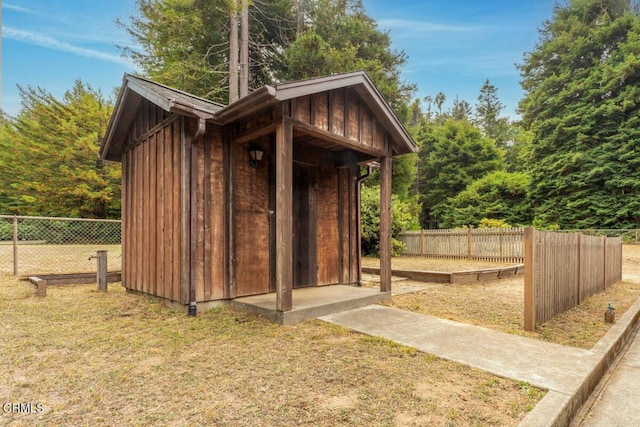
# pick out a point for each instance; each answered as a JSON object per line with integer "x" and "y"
{"x": 499, "y": 304}
{"x": 121, "y": 359}
{"x": 40, "y": 259}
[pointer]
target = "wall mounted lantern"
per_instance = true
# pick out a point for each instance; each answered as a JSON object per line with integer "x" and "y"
{"x": 255, "y": 155}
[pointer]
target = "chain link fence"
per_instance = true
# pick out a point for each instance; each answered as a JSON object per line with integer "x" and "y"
{"x": 41, "y": 245}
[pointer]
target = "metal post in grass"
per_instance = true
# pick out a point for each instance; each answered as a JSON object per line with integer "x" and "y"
{"x": 15, "y": 245}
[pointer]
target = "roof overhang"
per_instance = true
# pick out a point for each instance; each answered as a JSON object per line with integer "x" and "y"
{"x": 134, "y": 89}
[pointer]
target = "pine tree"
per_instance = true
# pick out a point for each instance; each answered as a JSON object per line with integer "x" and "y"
{"x": 582, "y": 100}
{"x": 488, "y": 111}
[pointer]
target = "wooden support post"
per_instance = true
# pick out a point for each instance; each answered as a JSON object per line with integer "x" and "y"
{"x": 469, "y": 244}
{"x": 41, "y": 288}
{"x": 15, "y": 246}
{"x": 385, "y": 224}
{"x": 529, "y": 280}
{"x": 101, "y": 276}
{"x": 284, "y": 215}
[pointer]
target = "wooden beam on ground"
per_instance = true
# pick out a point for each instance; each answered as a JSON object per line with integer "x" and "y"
{"x": 385, "y": 224}
{"x": 284, "y": 215}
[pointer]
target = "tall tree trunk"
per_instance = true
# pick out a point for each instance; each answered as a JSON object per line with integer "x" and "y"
{"x": 233, "y": 52}
{"x": 244, "y": 49}
{"x": 300, "y": 23}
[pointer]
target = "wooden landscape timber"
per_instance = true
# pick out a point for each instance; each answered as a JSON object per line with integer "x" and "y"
{"x": 468, "y": 276}
{"x": 204, "y": 222}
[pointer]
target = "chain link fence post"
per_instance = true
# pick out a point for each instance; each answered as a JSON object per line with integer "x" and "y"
{"x": 15, "y": 245}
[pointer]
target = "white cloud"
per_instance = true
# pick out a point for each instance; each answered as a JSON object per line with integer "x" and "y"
{"x": 20, "y": 9}
{"x": 425, "y": 26}
{"x": 52, "y": 43}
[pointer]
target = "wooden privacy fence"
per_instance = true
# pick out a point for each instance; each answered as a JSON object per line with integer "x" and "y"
{"x": 487, "y": 244}
{"x": 562, "y": 269}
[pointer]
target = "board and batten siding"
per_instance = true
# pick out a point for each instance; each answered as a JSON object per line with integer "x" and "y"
{"x": 152, "y": 260}
{"x": 342, "y": 114}
{"x": 159, "y": 206}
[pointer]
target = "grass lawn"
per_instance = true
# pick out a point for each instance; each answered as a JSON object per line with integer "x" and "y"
{"x": 105, "y": 359}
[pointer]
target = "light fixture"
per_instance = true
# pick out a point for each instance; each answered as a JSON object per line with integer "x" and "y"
{"x": 255, "y": 155}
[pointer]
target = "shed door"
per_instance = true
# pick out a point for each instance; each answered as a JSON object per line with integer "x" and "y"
{"x": 305, "y": 268}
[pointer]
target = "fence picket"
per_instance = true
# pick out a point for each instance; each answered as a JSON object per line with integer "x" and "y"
{"x": 486, "y": 244}
{"x": 562, "y": 269}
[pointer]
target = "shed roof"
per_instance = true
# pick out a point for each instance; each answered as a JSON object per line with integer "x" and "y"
{"x": 135, "y": 88}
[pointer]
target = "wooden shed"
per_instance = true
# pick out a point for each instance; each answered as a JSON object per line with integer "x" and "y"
{"x": 256, "y": 197}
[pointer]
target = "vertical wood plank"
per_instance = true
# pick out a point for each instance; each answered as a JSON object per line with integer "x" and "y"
{"x": 195, "y": 232}
{"x": 529, "y": 280}
{"x": 145, "y": 215}
{"x": 168, "y": 212}
{"x": 385, "y": 224}
{"x": 354, "y": 243}
{"x": 151, "y": 218}
{"x": 126, "y": 218}
{"x": 579, "y": 269}
{"x": 176, "y": 176}
{"x": 200, "y": 225}
{"x": 185, "y": 213}
{"x": 208, "y": 227}
{"x": 228, "y": 154}
{"x": 139, "y": 217}
{"x": 284, "y": 214}
{"x": 343, "y": 224}
{"x": 604, "y": 262}
{"x": 160, "y": 214}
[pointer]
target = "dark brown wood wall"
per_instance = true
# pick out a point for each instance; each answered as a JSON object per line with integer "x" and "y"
{"x": 342, "y": 113}
{"x": 336, "y": 216}
{"x": 152, "y": 194}
{"x": 208, "y": 238}
{"x": 251, "y": 223}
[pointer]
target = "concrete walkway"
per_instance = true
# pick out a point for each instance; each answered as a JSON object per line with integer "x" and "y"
{"x": 570, "y": 374}
{"x": 615, "y": 401}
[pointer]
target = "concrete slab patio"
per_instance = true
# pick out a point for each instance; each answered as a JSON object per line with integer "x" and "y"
{"x": 312, "y": 302}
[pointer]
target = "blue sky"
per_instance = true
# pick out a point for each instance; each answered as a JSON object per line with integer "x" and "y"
{"x": 453, "y": 45}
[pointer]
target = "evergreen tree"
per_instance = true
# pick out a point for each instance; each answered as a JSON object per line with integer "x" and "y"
{"x": 452, "y": 155}
{"x": 48, "y": 156}
{"x": 339, "y": 37}
{"x": 185, "y": 43}
{"x": 488, "y": 118}
{"x": 582, "y": 85}
{"x": 461, "y": 110}
{"x": 498, "y": 196}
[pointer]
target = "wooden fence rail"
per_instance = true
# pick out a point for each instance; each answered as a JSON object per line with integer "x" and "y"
{"x": 562, "y": 269}
{"x": 487, "y": 244}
